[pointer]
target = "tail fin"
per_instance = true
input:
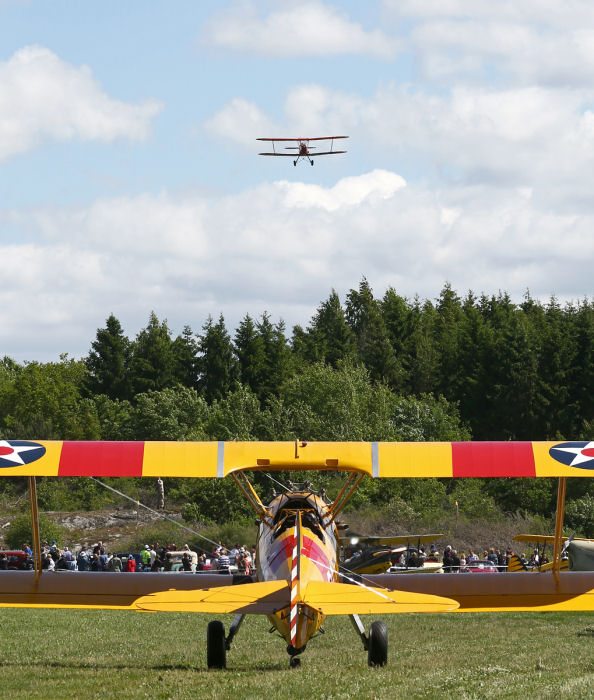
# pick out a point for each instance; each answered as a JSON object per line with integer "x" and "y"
{"x": 516, "y": 564}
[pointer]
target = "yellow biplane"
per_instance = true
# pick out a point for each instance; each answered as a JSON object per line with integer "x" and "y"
{"x": 376, "y": 555}
{"x": 298, "y": 581}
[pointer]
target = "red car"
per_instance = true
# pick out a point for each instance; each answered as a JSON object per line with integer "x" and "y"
{"x": 15, "y": 557}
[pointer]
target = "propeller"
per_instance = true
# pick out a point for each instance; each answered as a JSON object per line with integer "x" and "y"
{"x": 566, "y": 544}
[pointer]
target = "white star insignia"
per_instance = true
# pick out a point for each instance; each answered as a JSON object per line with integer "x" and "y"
{"x": 15, "y": 455}
{"x": 578, "y": 452}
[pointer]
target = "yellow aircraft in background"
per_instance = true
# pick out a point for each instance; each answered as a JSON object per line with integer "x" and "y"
{"x": 298, "y": 582}
{"x": 376, "y": 555}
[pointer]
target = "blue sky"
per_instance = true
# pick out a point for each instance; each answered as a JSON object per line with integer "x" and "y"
{"x": 130, "y": 180}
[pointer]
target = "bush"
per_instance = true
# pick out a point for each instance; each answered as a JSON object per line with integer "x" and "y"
{"x": 579, "y": 515}
{"x": 20, "y": 531}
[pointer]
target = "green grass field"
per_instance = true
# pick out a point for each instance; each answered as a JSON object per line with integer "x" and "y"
{"x": 87, "y": 654}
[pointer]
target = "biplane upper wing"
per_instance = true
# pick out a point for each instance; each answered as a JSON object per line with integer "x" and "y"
{"x": 317, "y": 138}
{"x": 538, "y": 539}
{"x": 218, "y": 459}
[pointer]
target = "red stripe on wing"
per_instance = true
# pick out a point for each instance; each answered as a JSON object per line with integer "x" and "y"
{"x": 101, "y": 459}
{"x": 493, "y": 459}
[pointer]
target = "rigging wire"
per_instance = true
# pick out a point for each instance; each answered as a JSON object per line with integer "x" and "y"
{"x": 161, "y": 515}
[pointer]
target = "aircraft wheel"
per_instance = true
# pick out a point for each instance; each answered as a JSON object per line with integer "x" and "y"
{"x": 216, "y": 652}
{"x": 294, "y": 162}
{"x": 377, "y": 654}
{"x": 312, "y": 162}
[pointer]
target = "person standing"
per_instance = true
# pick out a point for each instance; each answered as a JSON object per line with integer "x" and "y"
{"x": 160, "y": 494}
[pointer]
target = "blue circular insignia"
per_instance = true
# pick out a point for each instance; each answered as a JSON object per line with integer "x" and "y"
{"x": 574, "y": 454}
{"x": 16, "y": 453}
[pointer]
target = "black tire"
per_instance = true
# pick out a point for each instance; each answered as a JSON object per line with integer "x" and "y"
{"x": 216, "y": 652}
{"x": 377, "y": 654}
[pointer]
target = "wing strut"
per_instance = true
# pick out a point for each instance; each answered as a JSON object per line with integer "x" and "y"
{"x": 559, "y": 525}
{"x": 345, "y": 493}
{"x": 35, "y": 526}
{"x": 248, "y": 491}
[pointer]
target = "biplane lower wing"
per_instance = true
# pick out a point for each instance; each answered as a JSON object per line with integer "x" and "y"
{"x": 325, "y": 153}
{"x": 500, "y": 592}
{"x": 282, "y": 155}
{"x": 80, "y": 589}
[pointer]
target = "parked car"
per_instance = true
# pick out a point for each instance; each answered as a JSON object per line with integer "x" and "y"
{"x": 14, "y": 557}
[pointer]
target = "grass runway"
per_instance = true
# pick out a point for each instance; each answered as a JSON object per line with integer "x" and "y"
{"x": 92, "y": 654}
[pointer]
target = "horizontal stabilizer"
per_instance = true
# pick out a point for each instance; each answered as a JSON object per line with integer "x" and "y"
{"x": 263, "y": 598}
{"x": 266, "y": 598}
{"x": 347, "y": 599}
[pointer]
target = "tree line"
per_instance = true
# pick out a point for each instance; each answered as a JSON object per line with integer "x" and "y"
{"x": 388, "y": 368}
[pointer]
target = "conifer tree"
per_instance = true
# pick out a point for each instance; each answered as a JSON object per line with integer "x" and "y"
{"x": 330, "y": 338}
{"x": 216, "y": 361}
{"x": 364, "y": 316}
{"x": 108, "y": 361}
{"x": 152, "y": 363}
{"x": 249, "y": 349}
{"x": 278, "y": 359}
{"x": 185, "y": 358}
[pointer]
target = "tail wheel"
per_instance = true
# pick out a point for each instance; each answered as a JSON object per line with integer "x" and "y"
{"x": 216, "y": 652}
{"x": 377, "y": 653}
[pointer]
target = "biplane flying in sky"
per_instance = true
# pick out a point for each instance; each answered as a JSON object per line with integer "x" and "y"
{"x": 303, "y": 147}
{"x": 298, "y": 582}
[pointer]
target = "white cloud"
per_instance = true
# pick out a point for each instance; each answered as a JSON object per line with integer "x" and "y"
{"x": 523, "y": 136}
{"x": 302, "y": 29}
{"x": 43, "y": 98}
{"x": 534, "y": 41}
{"x": 348, "y": 191}
{"x": 278, "y": 247}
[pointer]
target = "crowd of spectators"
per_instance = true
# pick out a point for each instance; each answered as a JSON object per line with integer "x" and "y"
{"x": 153, "y": 557}
{"x": 452, "y": 562}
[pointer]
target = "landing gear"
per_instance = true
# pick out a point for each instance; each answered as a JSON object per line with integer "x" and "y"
{"x": 294, "y": 661}
{"x": 294, "y": 162}
{"x": 216, "y": 651}
{"x": 376, "y": 644}
{"x": 377, "y": 653}
{"x": 311, "y": 161}
{"x": 217, "y": 644}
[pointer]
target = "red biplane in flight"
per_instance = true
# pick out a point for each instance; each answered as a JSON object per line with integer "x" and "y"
{"x": 303, "y": 148}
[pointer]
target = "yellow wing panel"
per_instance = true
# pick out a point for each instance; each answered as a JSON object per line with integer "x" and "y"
{"x": 180, "y": 459}
{"x": 545, "y": 465}
{"x": 346, "y": 599}
{"x": 265, "y": 598}
{"x": 12, "y": 456}
{"x": 297, "y": 456}
{"x": 415, "y": 459}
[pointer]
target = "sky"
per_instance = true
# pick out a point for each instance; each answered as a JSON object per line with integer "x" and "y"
{"x": 130, "y": 179}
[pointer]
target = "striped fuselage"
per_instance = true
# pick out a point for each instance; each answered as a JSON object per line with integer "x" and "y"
{"x": 297, "y": 544}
